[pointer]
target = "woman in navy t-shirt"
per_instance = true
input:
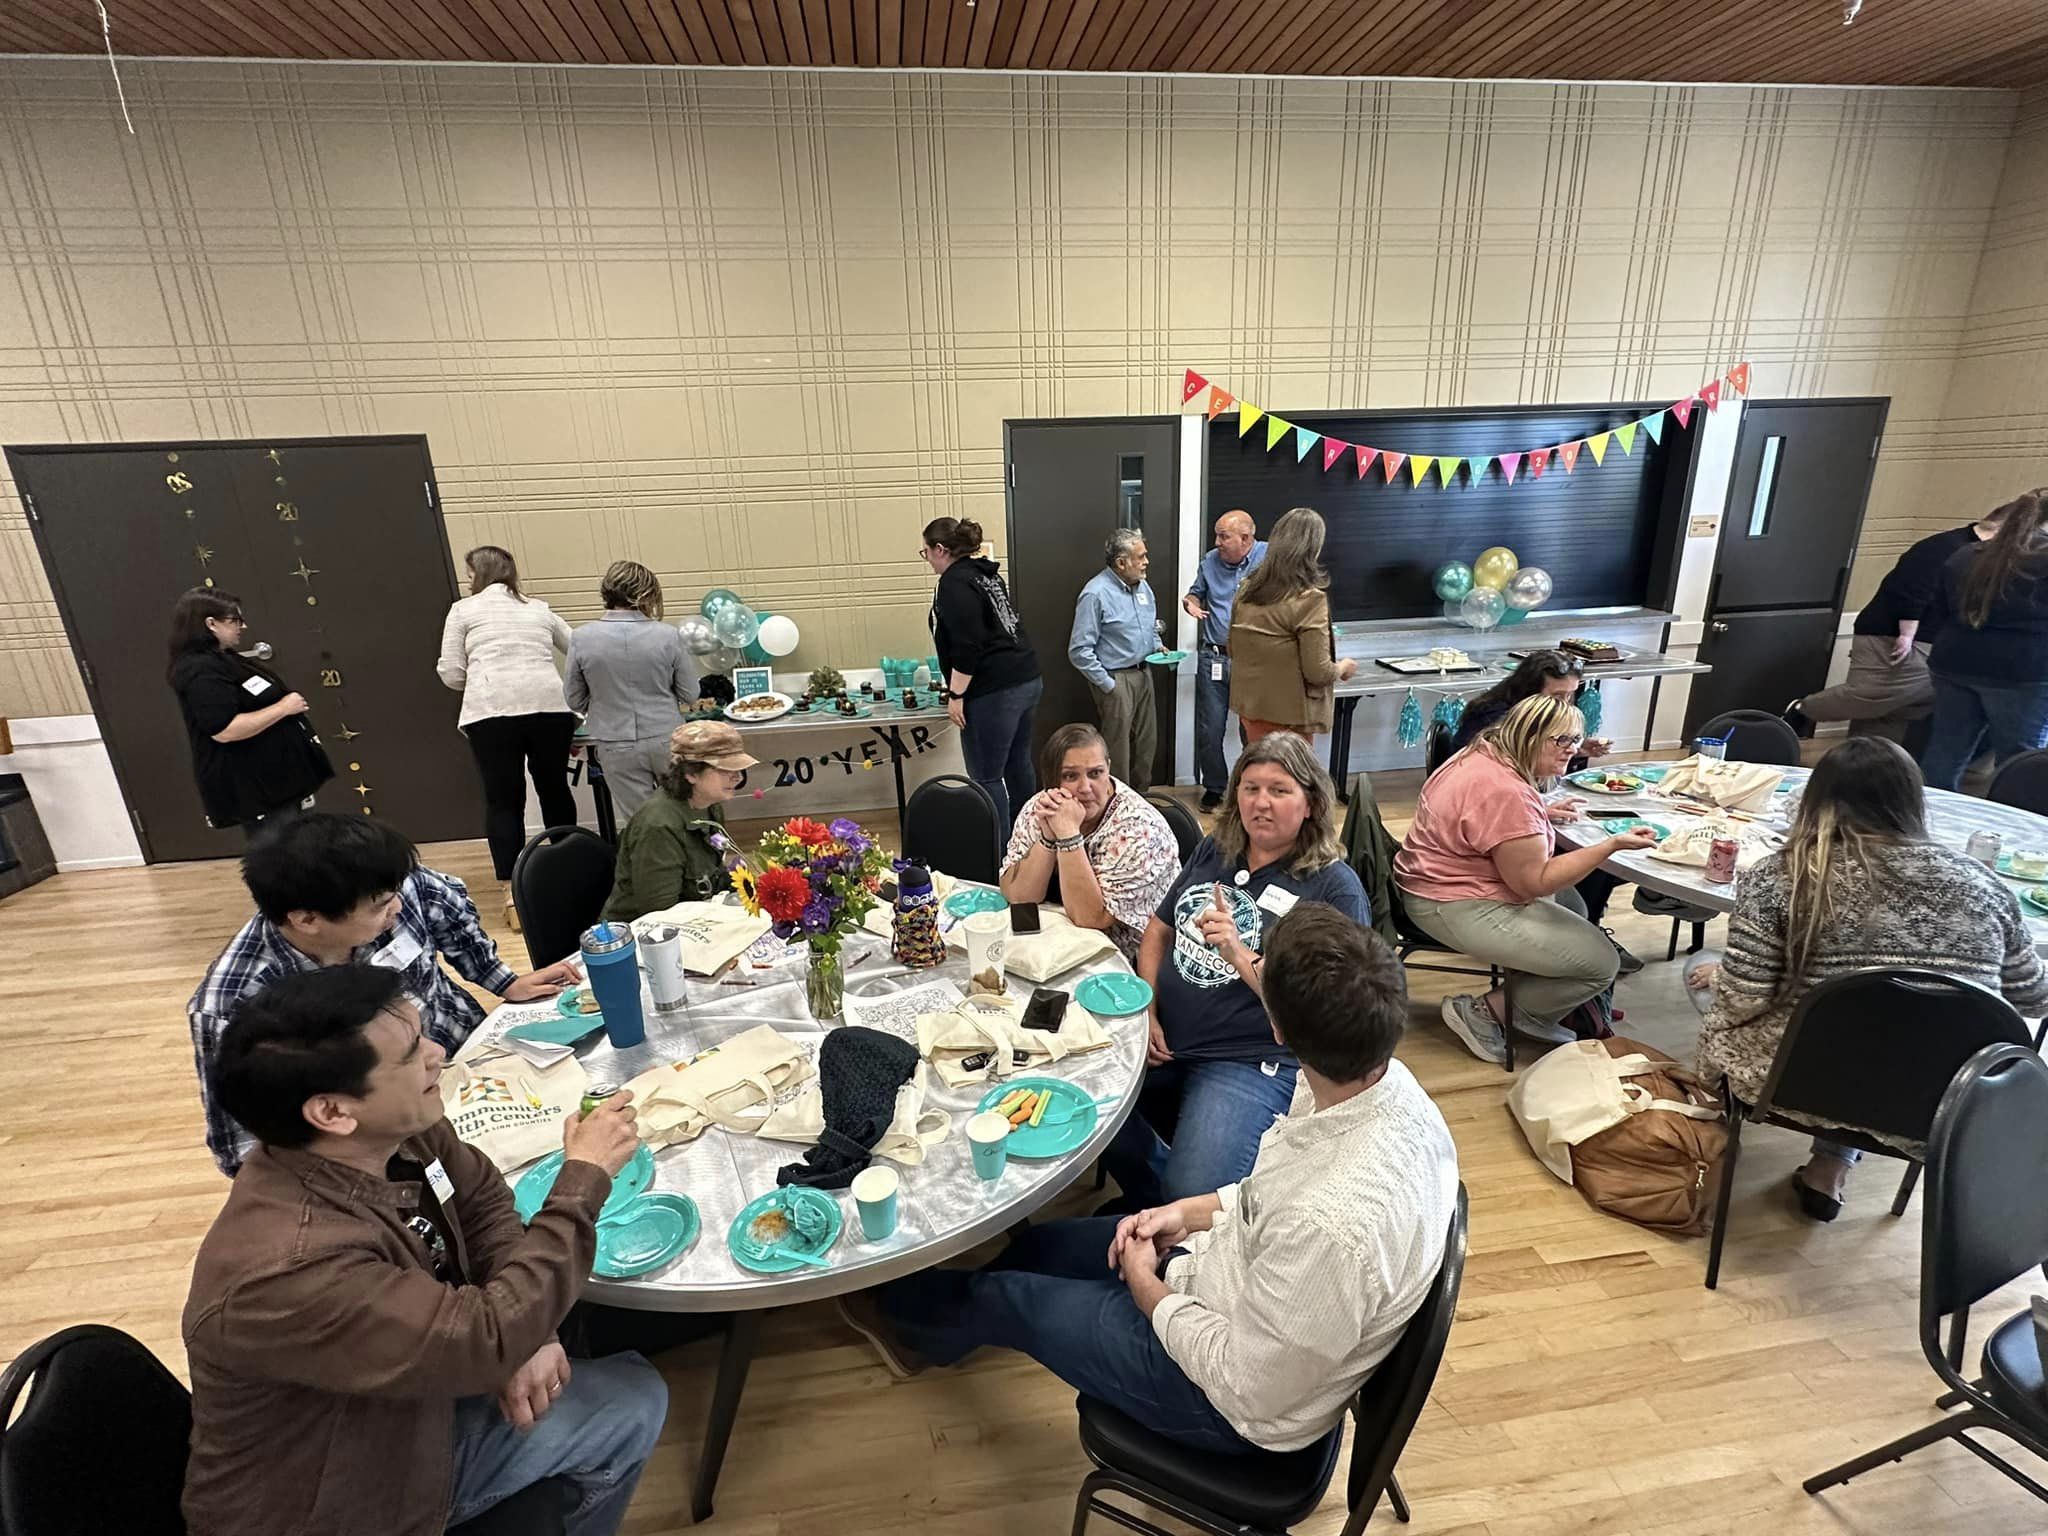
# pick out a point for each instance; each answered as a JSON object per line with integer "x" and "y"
{"x": 1218, "y": 1078}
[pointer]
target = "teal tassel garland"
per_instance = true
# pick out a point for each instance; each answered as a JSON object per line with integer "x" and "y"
{"x": 1450, "y": 709}
{"x": 1409, "y": 730}
{"x": 1589, "y": 706}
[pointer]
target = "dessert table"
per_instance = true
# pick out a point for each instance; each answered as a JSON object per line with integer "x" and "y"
{"x": 944, "y": 1208}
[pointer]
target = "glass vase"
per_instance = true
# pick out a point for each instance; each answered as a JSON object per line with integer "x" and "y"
{"x": 824, "y": 985}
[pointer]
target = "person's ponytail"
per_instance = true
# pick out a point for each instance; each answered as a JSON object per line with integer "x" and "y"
{"x": 2018, "y": 536}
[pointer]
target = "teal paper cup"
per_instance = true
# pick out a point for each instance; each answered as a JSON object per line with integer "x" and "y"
{"x": 874, "y": 1198}
{"x": 988, "y": 1135}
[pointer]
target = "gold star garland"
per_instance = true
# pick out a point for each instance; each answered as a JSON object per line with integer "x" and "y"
{"x": 287, "y": 509}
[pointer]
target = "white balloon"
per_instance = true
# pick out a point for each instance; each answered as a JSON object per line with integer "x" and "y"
{"x": 778, "y": 634}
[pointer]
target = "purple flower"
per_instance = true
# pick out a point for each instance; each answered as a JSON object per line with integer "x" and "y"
{"x": 845, "y": 829}
{"x": 817, "y": 915}
{"x": 785, "y": 931}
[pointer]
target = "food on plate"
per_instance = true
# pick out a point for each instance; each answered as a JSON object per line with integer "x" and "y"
{"x": 1589, "y": 650}
{"x": 1448, "y": 656}
{"x": 757, "y": 704}
{"x": 586, "y": 1000}
{"x": 770, "y": 1227}
{"x": 2030, "y": 863}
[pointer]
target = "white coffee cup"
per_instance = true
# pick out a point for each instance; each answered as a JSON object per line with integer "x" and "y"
{"x": 988, "y": 938}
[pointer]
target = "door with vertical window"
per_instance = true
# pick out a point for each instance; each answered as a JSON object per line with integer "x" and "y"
{"x": 1796, "y": 496}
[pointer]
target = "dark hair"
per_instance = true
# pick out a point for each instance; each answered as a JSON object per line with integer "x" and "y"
{"x": 488, "y": 565}
{"x": 1528, "y": 678}
{"x": 629, "y": 584}
{"x": 1335, "y": 991}
{"x": 959, "y": 537}
{"x": 301, "y": 1035}
{"x": 326, "y": 863}
{"x": 189, "y": 634}
{"x": 1068, "y": 738}
{"x": 1995, "y": 565}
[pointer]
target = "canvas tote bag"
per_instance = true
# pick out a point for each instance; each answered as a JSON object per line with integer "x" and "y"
{"x": 912, "y": 1129}
{"x": 1058, "y": 946}
{"x": 509, "y": 1109}
{"x": 730, "y": 1085}
{"x": 714, "y": 933}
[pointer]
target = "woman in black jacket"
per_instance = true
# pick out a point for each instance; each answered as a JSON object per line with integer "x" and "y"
{"x": 992, "y": 679}
{"x": 1990, "y": 657}
{"x": 253, "y": 752}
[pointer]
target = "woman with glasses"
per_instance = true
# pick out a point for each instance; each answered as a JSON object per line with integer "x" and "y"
{"x": 1481, "y": 873}
{"x": 254, "y": 753}
{"x": 992, "y": 682}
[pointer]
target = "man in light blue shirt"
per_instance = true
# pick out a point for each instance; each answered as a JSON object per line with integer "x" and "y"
{"x": 1115, "y": 629}
{"x": 1238, "y": 549}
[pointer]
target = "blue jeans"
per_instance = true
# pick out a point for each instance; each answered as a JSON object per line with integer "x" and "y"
{"x": 1052, "y": 1296}
{"x": 1212, "y": 711}
{"x": 1196, "y": 1128}
{"x": 1970, "y": 714}
{"x": 997, "y": 747}
{"x": 598, "y": 1435}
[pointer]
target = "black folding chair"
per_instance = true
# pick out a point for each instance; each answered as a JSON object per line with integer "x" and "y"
{"x": 1867, "y": 1053}
{"x": 560, "y": 883}
{"x": 101, "y": 1444}
{"x": 1985, "y": 1225}
{"x": 1187, "y": 832}
{"x": 2022, "y": 780}
{"x": 1266, "y": 1493}
{"x": 950, "y": 824}
{"x": 1754, "y": 737}
{"x": 1437, "y": 748}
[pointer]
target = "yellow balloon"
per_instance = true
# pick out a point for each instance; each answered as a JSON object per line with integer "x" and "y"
{"x": 1495, "y": 568}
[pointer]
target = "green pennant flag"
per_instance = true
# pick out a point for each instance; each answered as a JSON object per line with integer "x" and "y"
{"x": 1447, "y": 470}
{"x": 1654, "y": 425}
{"x": 1303, "y": 441}
{"x": 1276, "y": 429}
{"x": 1627, "y": 433}
{"x": 1247, "y": 415}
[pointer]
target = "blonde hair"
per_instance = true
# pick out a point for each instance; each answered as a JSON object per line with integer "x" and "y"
{"x": 1293, "y": 563}
{"x": 1317, "y": 846}
{"x": 1525, "y": 731}
{"x": 629, "y": 584}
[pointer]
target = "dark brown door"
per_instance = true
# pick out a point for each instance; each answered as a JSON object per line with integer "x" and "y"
{"x": 1795, "y": 511}
{"x": 337, "y": 551}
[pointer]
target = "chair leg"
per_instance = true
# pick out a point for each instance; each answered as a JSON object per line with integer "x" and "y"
{"x": 1721, "y": 1199}
{"x": 1898, "y": 1450}
{"x": 1905, "y": 1195}
{"x": 1507, "y": 1030}
{"x": 1395, "y": 1498}
{"x": 2041, "y": 1034}
{"x": 1699, "y": 938}
{"x": 1671, "y": 949}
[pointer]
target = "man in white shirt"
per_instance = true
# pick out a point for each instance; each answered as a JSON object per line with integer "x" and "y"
{"x": 1248, "y": 1318}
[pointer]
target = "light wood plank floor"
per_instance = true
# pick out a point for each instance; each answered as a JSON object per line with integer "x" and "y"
{"x": 1592, "y": 1385}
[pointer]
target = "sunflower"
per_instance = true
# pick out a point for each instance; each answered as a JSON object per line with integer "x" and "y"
{"x": 748, "y": 887}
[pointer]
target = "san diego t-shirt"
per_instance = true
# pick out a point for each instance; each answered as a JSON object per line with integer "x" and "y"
{"x": 1207, "y": 1011}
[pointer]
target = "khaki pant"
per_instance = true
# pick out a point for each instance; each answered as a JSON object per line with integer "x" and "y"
{"x": 1130, "y": 725}
{"x": 1559, "y": 959}
{"x": 1877, "y": 698}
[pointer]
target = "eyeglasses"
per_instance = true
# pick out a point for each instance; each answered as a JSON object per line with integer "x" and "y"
{"x": 1566, "y": 742}
{"x": 924, "y": 552}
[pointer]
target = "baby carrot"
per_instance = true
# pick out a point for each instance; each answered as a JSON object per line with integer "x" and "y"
{"x": 1023, "y": 1111}
{"x": 1044, "y": 1099}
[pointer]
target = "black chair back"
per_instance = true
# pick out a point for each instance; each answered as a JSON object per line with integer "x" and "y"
{"x": 2022, "y": 780}
{"x": 1437, "y": 747}
{"x": 1985, "y": 1221}
{"x": 1754, "y": 737}
{"x": 1187, "y": 831}
{"x": 1393, "y": 1397}
{"x": 100, "y": 1444}
{"x": 560, "y": 883}
{"x": 950, "y": 824}
{"x": 1876, "y": 1049}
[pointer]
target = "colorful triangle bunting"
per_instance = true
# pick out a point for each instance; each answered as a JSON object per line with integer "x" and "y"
{"x": 1654, "y": 425}
{"x": 1219, "y": 401}
{"x": 1247, "y": 416}
{"x": 1276, "y": 429}
{"x": 1597, "y": 446}
{"x": 1627, "y": 433}
{"x": 1683, "y": 410}
{"x": 1303, "y": 441}
{"x": 1332, "y": 452}
{"x": 1711, "y": 394}
{"x": 1569, "y": 452}
{"x": 1418, "y": 467}
{"x": 1365, "y": 458}
{"x": 1390, "y": 464}
{"x": 1537, "y": 461}
{"x": 1447, "y": 470}
{"x": 1192, "y": 386}
{"x": 1738, "y": 378}
{"x": 1509, "y": 463}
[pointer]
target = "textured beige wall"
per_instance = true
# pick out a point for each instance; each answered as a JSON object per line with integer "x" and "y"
{"x": 756, "y": 328}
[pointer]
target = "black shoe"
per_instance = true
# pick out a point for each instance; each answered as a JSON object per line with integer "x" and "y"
{"x": 1817, "y": 1204}
{"x": 1629, "y": 964}
{"x": 1211, "y": 803}
{"x": 1797, "y": 718}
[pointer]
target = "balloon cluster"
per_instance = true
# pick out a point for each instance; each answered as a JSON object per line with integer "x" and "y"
{"x": 1493, "y": 590}
{"x": 725, "y": 631}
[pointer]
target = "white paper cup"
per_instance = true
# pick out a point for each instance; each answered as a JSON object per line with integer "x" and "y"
{"x": 988, "y": 938}
{"x": 874, "y": 1198}
{"x": 988, "y": 1135}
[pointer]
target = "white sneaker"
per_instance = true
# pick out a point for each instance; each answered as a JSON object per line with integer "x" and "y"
{"x": 1473, "y": 1022}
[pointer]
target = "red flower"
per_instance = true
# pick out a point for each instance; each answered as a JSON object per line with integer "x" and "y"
{"x": 810, "y": 833}
{"x": 784, "y": 893}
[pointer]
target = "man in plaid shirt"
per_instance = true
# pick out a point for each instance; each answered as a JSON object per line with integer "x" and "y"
{"x": 330, "y": 889}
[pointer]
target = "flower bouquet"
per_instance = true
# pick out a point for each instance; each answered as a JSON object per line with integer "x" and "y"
{"x": 815, "y": 882}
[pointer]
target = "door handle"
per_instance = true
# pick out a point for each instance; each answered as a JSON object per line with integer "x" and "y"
{"x": 1718, "y": 627}
{"x": 260, "y": 651}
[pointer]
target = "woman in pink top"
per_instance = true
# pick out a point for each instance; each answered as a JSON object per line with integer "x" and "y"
{"x": 1480, "y": 873}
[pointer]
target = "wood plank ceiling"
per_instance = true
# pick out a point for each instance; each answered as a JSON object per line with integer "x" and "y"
{"x": 1892, "y": 42}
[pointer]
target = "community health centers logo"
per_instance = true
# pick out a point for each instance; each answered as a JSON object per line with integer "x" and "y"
{"x": 1198, "y": 964}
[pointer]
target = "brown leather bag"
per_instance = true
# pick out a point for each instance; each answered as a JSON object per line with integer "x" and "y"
{"x": 1658, "y": 1168}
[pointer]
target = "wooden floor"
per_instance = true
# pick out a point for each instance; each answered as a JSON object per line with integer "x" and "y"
{"x": 1592, "y": 1385}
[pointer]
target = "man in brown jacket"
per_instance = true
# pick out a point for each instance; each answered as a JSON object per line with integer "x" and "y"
{"x": 371, "y": 1332}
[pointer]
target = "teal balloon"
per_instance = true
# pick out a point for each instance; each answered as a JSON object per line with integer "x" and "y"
{"x": 1453, "y": 580}
{"x": 716, "y": 599}
{"x": 1512, "y": 616}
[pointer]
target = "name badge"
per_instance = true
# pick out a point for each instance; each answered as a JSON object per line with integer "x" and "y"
{"x": 255, "y": 685}
{"x": 1215, "y": 671}
{"x": 1277, "y": 901}
{"x": 399, "y": 954}
{"x": 442, "y": 1185}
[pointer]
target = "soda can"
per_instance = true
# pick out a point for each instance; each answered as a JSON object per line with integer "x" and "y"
{"x": 1721, "y": 860}
{"x": 1983, "y": 847}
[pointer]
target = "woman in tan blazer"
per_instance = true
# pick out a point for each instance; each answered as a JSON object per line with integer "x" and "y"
{"x": 1283, "y": 661}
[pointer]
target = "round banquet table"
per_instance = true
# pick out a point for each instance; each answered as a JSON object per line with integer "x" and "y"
{"x": 1951, "y": 818}
{"x": 943, "y": 1208}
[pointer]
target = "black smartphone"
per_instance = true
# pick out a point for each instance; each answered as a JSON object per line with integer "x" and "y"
{"x": 1045, "y": 1010}
{"x": 1023, "y": 917}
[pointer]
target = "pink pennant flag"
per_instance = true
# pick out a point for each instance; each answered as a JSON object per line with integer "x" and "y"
{"x": 1192, "y": 386}
{"x": 1683, "y": 410}
{"x": 1390, "y": 464}
{"x": 1219, "y": 402}
{"x": 1711, "y": 394}
{"x": 1738, "y": 378}
{"x": 1569, "y": 452}
{"x": 1332, "y": 452}
{"x": 1538, "y": 460}
{"x": 1509, "y": 463}
{"x": 1365, "y": 458}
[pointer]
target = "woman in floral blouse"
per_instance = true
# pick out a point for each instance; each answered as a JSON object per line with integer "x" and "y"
{"x": 1090, "y": 842}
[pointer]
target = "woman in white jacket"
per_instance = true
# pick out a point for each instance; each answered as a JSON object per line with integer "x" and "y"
{"x": 498, "y": 648}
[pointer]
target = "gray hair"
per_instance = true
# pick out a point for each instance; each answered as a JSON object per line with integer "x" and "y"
{"x": 1121, "y": 543}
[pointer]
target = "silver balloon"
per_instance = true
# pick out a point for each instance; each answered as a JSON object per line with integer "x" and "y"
{"x": 1482, "y": 607}
{"x": 1530, "y": 587}
{"x": 735, "y": 626}
{"x": 698, "y": 639}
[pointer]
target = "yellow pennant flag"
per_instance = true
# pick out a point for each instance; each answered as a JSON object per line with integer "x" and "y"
{"x": 1627, "y": 433}
{"x": 1418, "y": 467}
{"x": 1276, "y": 429}
{"x": 1597, "y": 445}
{"x": 1447, "y": 470}
{"x": 1247, "y": 415}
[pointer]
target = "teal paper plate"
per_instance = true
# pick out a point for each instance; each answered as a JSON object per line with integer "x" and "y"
{"x": 1113, "y": 994}
{"x": 1651, "y": 775}
{"x": 654, "y": 1230}
{"x": 815, "y": 1207}
{"x": 531, "y": 1192}
{"x": 2036, "y": 897}
{"x": 1167, "y": 658}
{"x": 565, "y": 1004}
{"x": 1073, "y": 1109}
{"x": 973, "y": 899}
{"x": 566, "y": 1029}
{"x": 1595, "y": 779}
{"x": 1614, "y": 826}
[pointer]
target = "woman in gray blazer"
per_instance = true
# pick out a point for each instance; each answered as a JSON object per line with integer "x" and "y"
{"x": 631, "y": 678}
